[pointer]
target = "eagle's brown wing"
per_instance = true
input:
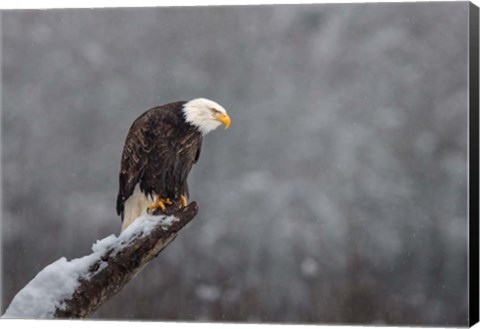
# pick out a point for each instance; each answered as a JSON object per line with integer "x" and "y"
{"x": 198, "y": 151}
{"x": 138, "y": 145}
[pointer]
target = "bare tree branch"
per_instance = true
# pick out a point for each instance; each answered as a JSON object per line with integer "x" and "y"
{"x": 122, "y": 267}
{"x": 58, "y": 290}
{"x": 77, "y": 288}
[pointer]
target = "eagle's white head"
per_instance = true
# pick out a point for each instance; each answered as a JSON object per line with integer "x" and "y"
{"x": 205, "y": 114}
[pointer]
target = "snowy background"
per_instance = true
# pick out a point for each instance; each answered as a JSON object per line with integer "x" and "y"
{"x": 338, "y": 195}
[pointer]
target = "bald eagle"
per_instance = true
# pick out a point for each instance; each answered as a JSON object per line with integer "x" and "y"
{"x": 160, "y": 149}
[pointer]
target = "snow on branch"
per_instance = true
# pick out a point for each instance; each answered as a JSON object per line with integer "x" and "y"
{"x": 77, "y": 288}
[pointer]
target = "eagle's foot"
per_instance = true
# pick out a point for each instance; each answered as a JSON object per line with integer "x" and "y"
{"x": 159, "y": 203}
{"x": 184, "y": 201}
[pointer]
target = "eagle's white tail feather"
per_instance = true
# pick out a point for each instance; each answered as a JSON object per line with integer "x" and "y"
{"x": 135, "y": 206}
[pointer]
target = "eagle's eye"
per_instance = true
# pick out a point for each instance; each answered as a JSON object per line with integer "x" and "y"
{"x": 215, "y": 111}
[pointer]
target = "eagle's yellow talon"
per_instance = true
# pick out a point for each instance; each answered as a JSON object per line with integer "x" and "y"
{"x": 160, "y": 203}
{"x": 167, "y": 201}
{"x": 184, "y": 200}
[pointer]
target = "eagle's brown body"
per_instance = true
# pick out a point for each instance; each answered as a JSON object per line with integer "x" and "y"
{"x": 159, "y": 152}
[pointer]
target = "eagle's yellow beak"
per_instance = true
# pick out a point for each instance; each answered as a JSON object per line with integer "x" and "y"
{"x": 223, "y": 118}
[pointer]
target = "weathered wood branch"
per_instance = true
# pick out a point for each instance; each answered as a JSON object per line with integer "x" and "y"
{"x": 123, "y": 266}
{"x": 77, "y": 288}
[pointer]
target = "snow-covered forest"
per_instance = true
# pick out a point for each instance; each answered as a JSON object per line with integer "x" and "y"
{"x": 337, "y": 195}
